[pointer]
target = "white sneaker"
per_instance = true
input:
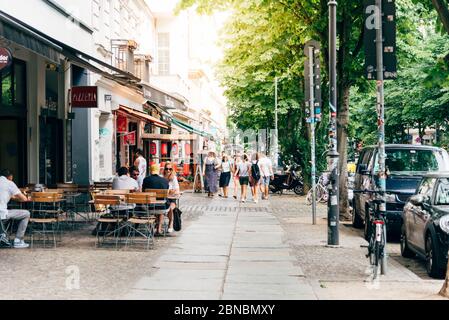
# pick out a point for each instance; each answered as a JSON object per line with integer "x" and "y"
{"x": 20, "y": 244}
{"x": 170, "y": 230}
{"x": 256, "y": 201}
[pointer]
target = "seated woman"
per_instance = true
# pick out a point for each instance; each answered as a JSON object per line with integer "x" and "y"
{"x": 173, "y": 190}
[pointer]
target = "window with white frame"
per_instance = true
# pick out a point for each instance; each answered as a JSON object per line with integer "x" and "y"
{"x": 163, "y": 45}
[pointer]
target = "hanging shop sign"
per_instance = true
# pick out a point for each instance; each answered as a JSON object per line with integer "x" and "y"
{"x": 130, "y": 139}
{"x": 164, "y": 149}
{"x": 122, "y": 124}
{"x": 153, "y": 149}
{"x": 187, "y": 149}
{"x": 5, "y": 58}
{"x": 84, "y": 97}
{"x": 174, "y": 149}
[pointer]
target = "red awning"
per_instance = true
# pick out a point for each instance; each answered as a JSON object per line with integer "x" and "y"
{"x": 143, "y": 116}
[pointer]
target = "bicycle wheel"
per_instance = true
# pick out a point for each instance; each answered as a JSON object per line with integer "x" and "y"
{"x": 376, "y": 258}
{"x": 324, "y": 195}
{"x": 384, "y": 257}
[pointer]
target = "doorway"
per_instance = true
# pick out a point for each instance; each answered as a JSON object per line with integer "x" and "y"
{"x": 13, "y": 148}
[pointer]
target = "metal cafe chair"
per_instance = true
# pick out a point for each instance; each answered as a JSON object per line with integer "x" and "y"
{"x": 46, "y": 215}
{"x": 141, "y": 221}
{"x": 161, "y": 200}
{"x": 112, "y": 223}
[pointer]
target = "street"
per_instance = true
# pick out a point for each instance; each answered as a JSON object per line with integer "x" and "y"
{"x": 226, "y": 250}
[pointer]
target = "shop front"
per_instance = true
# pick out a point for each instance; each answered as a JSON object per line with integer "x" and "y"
{"x": 130, "y": 135}
{"x": 31, "y": 104}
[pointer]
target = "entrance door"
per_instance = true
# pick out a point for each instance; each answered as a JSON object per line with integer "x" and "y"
{"x": 51, "y": 151}
{"x": 13, "y": 148}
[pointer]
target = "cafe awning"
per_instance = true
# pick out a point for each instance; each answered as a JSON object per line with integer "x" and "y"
{"x": 189, "y": 128}
{"x": 143, "y": 116}
{"x": 20, "y": 33}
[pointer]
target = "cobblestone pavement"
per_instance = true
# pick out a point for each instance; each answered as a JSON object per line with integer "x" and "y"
{"x": 270, "y": 248}
{"x": 342, "y": 273}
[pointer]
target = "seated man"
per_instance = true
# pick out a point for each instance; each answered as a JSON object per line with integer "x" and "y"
{"x": 154, "y": 181}
{"x": 124, "y": 182}
{"x": 8, "y": 191}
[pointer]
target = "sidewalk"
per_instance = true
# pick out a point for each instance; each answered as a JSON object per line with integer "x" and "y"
{"x": 236, "y": 253}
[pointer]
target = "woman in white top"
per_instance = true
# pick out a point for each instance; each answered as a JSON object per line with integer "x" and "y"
{"x": 173, "y": 190}
{"x": 243, "y": 171}
{"x": 235, "y": 163}
{"x": 225, "y": 176}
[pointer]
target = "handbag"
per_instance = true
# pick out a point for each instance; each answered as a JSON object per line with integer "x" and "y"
{"x": 177, "y": 221}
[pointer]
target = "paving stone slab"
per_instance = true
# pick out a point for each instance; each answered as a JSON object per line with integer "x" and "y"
{"x": 192, "y": 258}
{"x": 186, "y": 284}
{"x": 137, "y": 294}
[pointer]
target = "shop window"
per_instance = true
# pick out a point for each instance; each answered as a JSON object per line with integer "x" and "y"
{"x": 51, "y": 88}
{"x": 13, "y": 85}
{"x": 6, "y": 79}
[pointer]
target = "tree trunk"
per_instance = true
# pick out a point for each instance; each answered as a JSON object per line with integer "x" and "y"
{"x": 342, "y": 128}
{"x": 445, "y": 289}
{"x": 443, "y": 12}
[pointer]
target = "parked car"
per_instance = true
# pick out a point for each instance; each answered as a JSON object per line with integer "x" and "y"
{"x": 405, "y": 165}
{"x": 425, "y": 231}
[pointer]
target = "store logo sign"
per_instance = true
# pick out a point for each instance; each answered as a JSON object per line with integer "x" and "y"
{"x": 84, "y": 97}
{"x": 5, "y": 58}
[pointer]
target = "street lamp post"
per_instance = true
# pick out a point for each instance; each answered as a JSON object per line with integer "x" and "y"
{"x": 333, "y": 202}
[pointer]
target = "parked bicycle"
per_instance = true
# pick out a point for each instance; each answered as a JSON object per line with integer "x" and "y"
{"x": 322, "y": 195}
{"x": 376, "y": 232}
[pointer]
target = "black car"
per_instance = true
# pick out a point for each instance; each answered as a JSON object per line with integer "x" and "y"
{"x": 406, "y": 165}
{"x": 425, "y": 231}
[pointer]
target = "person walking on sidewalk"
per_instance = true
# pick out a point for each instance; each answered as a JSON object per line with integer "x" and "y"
{"x": 141, "y": 164}
{"x": 225, "y": 176}
{"x": 254, "y": 178}
{"x": 266, "y": 172}
{"x": 8, "y": 191}
{"x": 210, "y": 169}
{"x": 235, "y": 163}
{"x": 243, "y": 171}
{"x": 173, "y": 190}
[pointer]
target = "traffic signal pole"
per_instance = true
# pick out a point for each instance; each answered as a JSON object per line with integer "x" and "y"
{"x": 333, "y": 202}
{"x": 312, "y": 128}
{"x": 381, "y": 110}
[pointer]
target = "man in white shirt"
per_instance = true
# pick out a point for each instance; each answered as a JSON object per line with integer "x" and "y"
{"x": 266, "y": 173}
{"x": 124, "y": 182}
{"x": 8, "y": 191}
{"x": 141, "y": 164}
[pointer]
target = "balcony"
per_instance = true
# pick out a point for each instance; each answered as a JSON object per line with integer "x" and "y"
{"x": 123, "y": 54}
{"x": 142, "y": 66}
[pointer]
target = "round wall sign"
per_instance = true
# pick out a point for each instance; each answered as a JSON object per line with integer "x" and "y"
{"x": 5, "y": 58}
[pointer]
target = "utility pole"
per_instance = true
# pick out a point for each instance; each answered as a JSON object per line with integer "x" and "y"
{"x": 381, "y": 110}
{"x": 276, "y": 150}
{"x": 333, "y": 156}
{"x": 312, "y": 91}
{"x": 312, "y": 129}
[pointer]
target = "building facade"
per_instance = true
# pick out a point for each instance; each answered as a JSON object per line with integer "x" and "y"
{"x": 132, "y": 78}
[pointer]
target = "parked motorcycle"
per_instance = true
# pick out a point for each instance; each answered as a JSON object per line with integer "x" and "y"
{"x": 291, "y": 180}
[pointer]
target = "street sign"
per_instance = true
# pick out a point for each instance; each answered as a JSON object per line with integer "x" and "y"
{"x": 371, "y": 22}
{"x": 316, "y": 77}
